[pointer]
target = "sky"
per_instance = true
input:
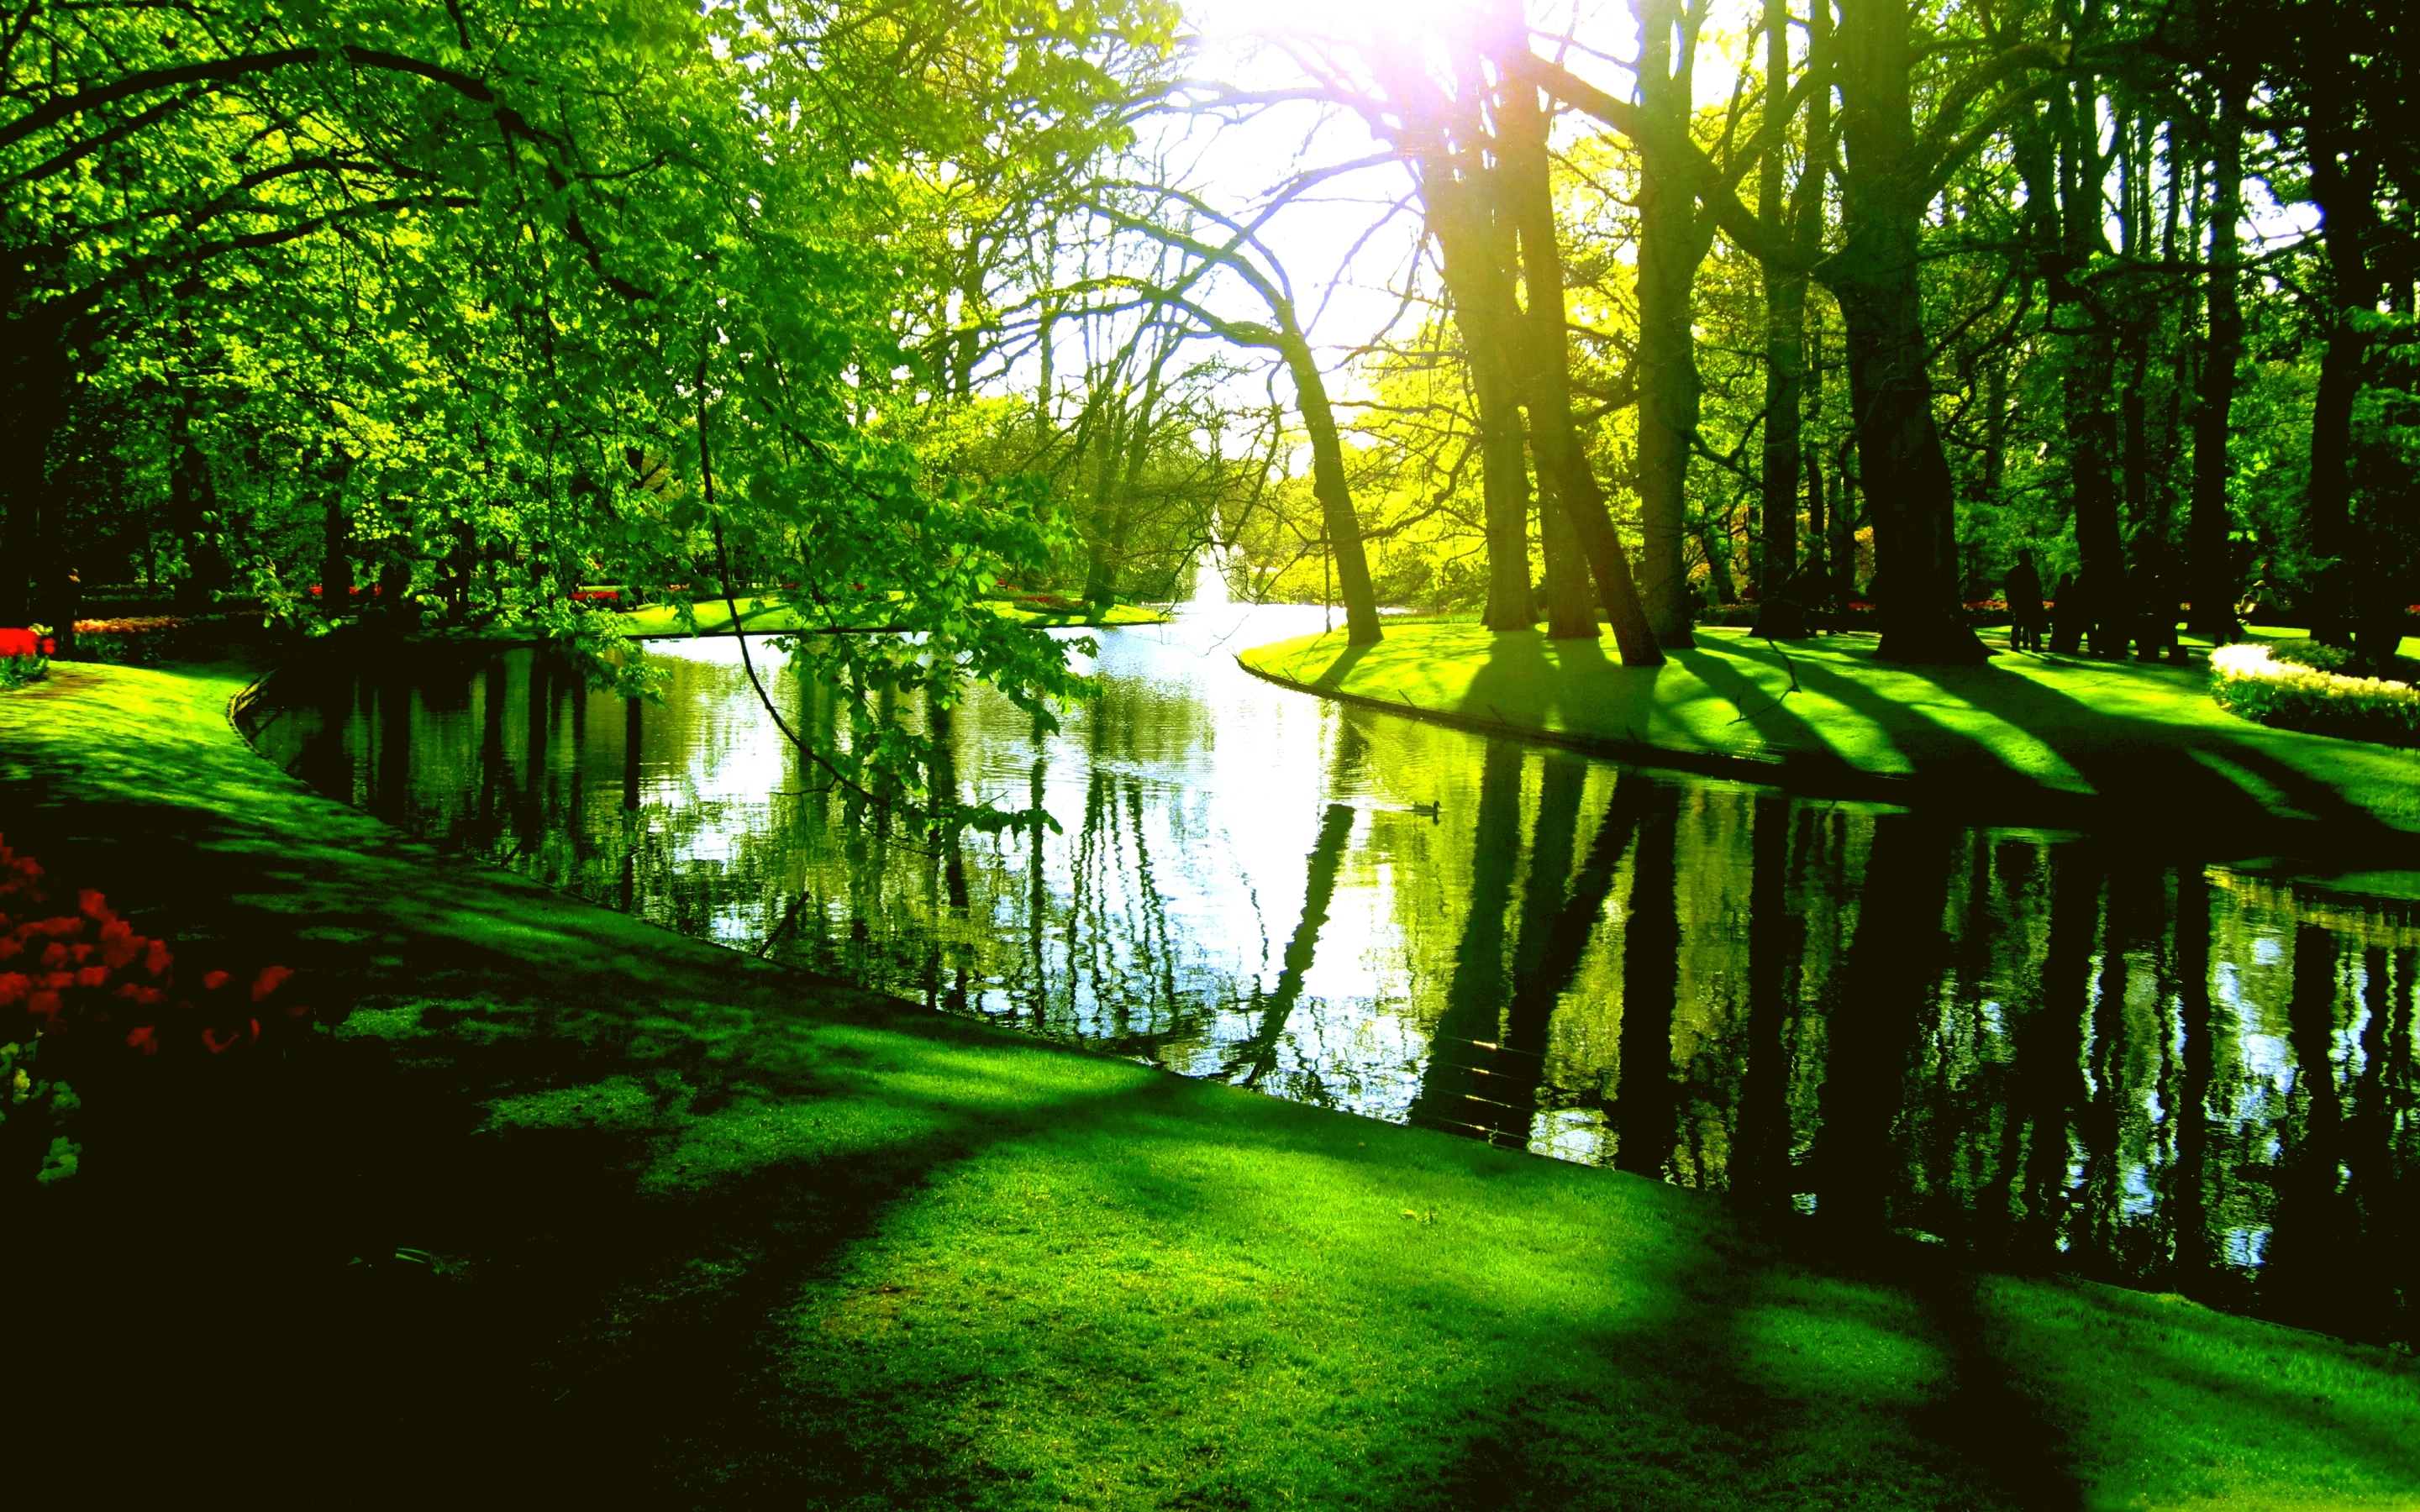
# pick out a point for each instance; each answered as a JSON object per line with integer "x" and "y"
{"x": 1346, "y": 247}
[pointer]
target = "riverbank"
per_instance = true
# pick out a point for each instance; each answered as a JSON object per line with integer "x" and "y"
{"x": 2023, "y": 739}
{"x": 774, "y": 616}
{"x": 705, "y": 1231}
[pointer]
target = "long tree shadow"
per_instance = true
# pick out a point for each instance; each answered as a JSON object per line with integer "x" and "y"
{"x": 2157, "y": 776}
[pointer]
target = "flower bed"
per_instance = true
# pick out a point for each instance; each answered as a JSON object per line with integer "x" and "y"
{"x": 24, "y": 655}
{"x": 136, "y": 641}
{"x": 2250, "y": 682}
{"x": 79, "y": 982}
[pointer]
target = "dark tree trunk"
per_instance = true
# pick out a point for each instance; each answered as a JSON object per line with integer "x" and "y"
{"x": 1504, "y": 484}
{"x": 2089, "y": 369}
{"x": 1785, "y": 315}
{"x": 32, "y": 553}
{"x": 2345, "y": 185}
{"x": 1785, "y": 352}
{"x": 1673, "y": 240}
{"x": 1844, "y": 534}
{"x": 1714, "y": 541}
{"x": 192, "y": 515}
{"x": 336, "y": 561}
{"x": 2209, "y": 552}
{"x": 1909, "y": 492}
{"x": 1571, "y": 608}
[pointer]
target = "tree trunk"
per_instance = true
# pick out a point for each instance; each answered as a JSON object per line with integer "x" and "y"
{"x": 2209, "y": 552}
{"x": 1777, "y": 614}
{"x": 1504, "y": 484}
{"x": 36, "y": 377}
{"x": 1785, "y": 315}
{"x": 1334, "y": 493}
{"x": 1909, "y": 491}
{"x": 1528, "y": 198}
{"x": 2346, "y": 192}
{"x": 336, "y": 560}
{"x": 1126, "y": 448}
{"x": 1571, "y": 608}
{"x": 1844, "y": 532}
{"x": 1478, "y": 287}
{"x": 2092, "y": 440}
{"x": 1672, "y": 240}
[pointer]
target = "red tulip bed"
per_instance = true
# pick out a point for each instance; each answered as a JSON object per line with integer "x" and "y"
{"x": 24, "y": 655}
{"x": 77, "y": 982}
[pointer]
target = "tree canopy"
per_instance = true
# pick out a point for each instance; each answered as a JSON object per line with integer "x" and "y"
{"x": 1790, "y": 313}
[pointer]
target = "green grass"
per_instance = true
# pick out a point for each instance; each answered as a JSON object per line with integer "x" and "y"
{"x": 709, "y": 1232}
{"x": 774, "y": 616}
{"x": 2035, "y": 739}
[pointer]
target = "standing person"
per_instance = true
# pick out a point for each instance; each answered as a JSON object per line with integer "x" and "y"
{"x": 2024, "y": 592}
{"x": 2070, "y": 614}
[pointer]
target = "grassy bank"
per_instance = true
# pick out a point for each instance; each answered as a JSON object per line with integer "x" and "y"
{"x": 774, "y": 616}
{"x": 708, "y": 1232}
{"x": 2024, "y": 738}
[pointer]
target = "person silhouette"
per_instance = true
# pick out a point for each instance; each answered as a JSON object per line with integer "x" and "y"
{"x": 2024, "y": 592}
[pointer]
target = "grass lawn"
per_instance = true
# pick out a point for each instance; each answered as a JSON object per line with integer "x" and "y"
{"x": 2024, "y": 738}
{"x": 773, "y": 616}
{"x": 709, "y": 1232}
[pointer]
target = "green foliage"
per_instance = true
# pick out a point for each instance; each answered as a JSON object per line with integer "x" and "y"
{"x": 35, "y": 1113}
{"x": 469, "y": 304}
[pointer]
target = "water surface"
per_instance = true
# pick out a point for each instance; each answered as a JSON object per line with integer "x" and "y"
{"x": 2040, "y": 1048}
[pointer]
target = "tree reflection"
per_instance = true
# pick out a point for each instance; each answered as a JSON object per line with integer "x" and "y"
{"x": 2046, "y": 1050}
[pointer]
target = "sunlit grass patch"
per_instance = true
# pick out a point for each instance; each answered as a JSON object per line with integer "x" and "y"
{"x": 2024, "y": 738}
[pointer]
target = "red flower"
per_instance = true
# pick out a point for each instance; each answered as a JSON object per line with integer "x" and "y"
{"x": 146, "y": 1039}
{"x": 55, "y": 955}
{"x": 214, "y": 980}
{"x": 269, "y": 979}
{"x": 14, "y": 985}
{"x": 11, "y": 946}
{"x": 139, "y": 997}
{"x": 157, "y": 959}
{"x": 219, "y": 1039}
{"x": 46, "y": 1004}
{"x": 92, "y": 904}
{"x": 50, "y": 647}
{"x": 119, "y": 945}
{"x": 93, "y": 977}
{"x": 18, "y": 644}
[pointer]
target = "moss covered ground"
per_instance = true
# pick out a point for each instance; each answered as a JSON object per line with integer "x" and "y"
{"x": 774, "y": 616}
{"x": 2024, "y": 738}
{"x": 704, "y": 1232}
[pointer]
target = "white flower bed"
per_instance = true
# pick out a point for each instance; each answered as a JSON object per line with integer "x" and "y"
{"x": 2246, "y": 680}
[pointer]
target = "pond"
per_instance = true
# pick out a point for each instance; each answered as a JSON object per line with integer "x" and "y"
{"x": 2043, "y": 1049}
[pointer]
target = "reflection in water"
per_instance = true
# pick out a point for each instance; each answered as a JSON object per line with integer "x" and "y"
{"x": 2049, "y": 1050}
